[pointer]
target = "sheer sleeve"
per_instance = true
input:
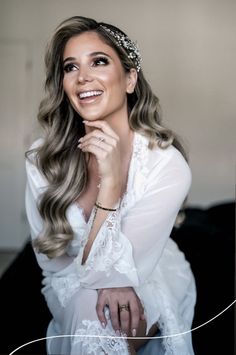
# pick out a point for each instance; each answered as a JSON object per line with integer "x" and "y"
{"x": 131, "y": 240}
{"x": 128, "y": 247}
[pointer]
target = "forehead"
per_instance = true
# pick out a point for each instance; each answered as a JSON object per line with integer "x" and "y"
{"x": 86, "y": 43}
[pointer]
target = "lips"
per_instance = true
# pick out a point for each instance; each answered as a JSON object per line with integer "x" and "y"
{"x": 89, "y": 94}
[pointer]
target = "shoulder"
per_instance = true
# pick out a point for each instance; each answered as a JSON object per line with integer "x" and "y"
{"x": 31, "y": 152}
{"x": 170, "y": 158}
{"x": 158, "y": 158}
{"x": 160, "y": 167}
{"x": 169, "y": 163}
{"x": 36, "y": 144}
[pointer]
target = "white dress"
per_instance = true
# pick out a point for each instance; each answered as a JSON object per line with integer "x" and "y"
{"x": 132, "y": 248}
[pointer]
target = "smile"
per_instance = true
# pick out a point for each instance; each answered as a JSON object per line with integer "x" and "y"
{"x": 93, "y": 93}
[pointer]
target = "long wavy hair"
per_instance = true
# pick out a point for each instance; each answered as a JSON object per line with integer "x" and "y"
{"x": 58, "y": 158}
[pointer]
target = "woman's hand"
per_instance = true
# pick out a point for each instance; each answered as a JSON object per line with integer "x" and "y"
{"x": 103, "y": 143}
{"x": 125, "y": 321}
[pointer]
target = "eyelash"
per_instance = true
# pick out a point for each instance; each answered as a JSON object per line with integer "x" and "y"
{"x": 72, "y": 67}
{"x": 101, "y": 59}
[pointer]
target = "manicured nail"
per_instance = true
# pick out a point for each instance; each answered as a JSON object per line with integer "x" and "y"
{"x": 85, "y": 122}
{"x": 79, "y": 145}
{"x": 134, "y": 332}
{"x": 117, "y": 332}
{"x": 123, "y": 334}
{"x": 103, "y": 325}
{"x": 80, "y": 140}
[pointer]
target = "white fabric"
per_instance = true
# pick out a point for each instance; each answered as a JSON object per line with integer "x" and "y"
{"x": 132, "y": 248}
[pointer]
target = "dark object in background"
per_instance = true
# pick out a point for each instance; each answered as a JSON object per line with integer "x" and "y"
{"x": 207, "y": 239}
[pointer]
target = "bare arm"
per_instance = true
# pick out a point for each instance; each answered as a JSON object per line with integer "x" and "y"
{"x": 109, "y": 195}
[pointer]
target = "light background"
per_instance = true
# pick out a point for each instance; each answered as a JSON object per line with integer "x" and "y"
{"x": 189, "y": 56}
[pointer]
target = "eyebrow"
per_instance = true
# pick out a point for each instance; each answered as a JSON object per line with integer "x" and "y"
{"x": 93, "y": 54}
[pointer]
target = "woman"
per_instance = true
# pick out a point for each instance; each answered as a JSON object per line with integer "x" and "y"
{"x": 105, "y": 184}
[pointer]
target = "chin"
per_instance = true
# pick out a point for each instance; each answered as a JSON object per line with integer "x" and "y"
{"x": 93, "y": 116}
{"x": 90, "y": 117}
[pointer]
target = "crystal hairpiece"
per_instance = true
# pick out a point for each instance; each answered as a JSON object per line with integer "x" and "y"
{"x": 130, "y": 46}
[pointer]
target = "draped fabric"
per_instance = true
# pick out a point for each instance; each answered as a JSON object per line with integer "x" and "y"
{"x": 132, "y": 248}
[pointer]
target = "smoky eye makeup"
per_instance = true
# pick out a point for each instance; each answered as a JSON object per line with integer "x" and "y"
{"x": 70, "y": 67}
{"x": 100, "y": 60}
{"x": 97, "y": 59}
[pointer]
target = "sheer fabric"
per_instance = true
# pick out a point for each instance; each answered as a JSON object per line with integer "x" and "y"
{"x": 132, "y": 248}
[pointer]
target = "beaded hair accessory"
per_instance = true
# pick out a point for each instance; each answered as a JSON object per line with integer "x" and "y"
{"x": 130, "y": 46}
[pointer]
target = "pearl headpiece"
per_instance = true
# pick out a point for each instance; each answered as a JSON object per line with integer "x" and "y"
{"x": 125, "y": 42}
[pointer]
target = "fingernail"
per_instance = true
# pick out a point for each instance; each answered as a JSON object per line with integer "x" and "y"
{"x": 134, "y": 332}
{"x": 79, "y": 145}
{"x": 103, "y": 325}
{"x": 118, "y": 333}
{"x": 80, "y": 140}
{"x": 123, "y": 334}
{"x": 85, "y": 122}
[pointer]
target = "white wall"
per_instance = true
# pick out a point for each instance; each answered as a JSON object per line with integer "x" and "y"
{"x": 189, "y": 56}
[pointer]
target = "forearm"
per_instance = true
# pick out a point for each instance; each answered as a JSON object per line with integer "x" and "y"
{"x": 108, "y": 196}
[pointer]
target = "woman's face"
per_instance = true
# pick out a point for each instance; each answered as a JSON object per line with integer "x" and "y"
{"x": 94, "y": 79}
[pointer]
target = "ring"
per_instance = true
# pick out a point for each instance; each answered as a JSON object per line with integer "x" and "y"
{"x": 124, "y": 307}
{"x": 100, "y": 139}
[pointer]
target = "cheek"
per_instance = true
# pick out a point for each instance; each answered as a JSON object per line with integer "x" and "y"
{"x": 116, "y": 83}
{"x": 67, "y": 90}
{"x": 68, "y": 85}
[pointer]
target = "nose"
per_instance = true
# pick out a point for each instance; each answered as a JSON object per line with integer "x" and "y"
{"x": 84, "y": 74}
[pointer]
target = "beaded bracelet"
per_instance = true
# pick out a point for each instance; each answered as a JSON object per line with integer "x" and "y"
{"x": 98, "y": 205}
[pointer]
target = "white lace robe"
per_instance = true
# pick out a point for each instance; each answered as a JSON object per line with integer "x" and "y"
{"x": 132, "y": 248}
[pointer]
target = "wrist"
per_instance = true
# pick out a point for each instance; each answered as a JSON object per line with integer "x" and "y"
{"x": 109, "y": 209}
{"x": 110, "y": 183}
{"x": 109, "y": 197}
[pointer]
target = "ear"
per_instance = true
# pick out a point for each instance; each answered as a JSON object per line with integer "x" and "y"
{"x": 132, "y": 77}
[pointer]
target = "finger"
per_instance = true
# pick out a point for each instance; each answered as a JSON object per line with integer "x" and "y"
{"x": 103, "y": 125}
{"x": 97, "y": 143}
{"x": 98, "y": 134}
{"x": 141, "y": 311}
{"x": 96, "y": 150}
{"x": 114, "y": 317}
{"x": 101, "y": 303}
{"x": 135, "y": 317}
{"x": 142, "y": 316}
{"x": 125, "y": 320}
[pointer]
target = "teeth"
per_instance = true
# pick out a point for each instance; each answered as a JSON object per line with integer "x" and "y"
{"x": 89, "y": 94}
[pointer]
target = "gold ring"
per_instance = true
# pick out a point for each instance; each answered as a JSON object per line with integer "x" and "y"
{"x": 124, "y": 307}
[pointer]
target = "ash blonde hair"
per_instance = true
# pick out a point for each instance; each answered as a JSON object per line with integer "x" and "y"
{"x": 58, "y": 158}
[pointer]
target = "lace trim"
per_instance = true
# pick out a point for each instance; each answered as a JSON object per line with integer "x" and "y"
{"x": 168, "y": 322}
{"x": 105, "y": 344}
{"x": 137, "y": 175}
{"x": 109, "y": 250}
